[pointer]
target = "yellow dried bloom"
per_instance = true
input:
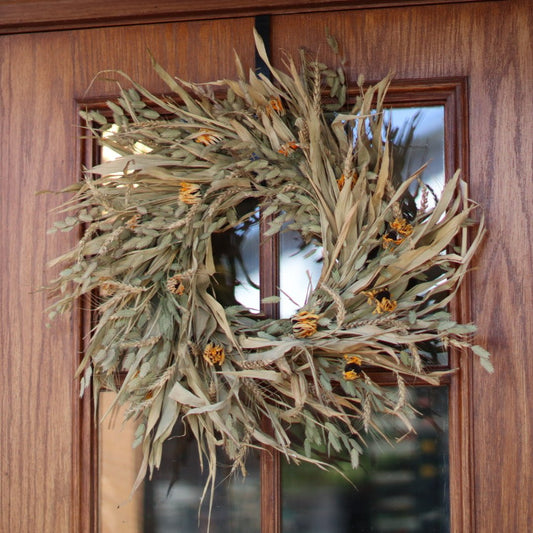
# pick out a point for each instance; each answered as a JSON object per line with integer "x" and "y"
{"x": 352, "y": 368}
{"x": 399, "y": 230}
{"x": 208, "y": 137}
{"x": 175, "y": 285}
{"x": 189, "y": 193}
{"x": 214, "y": 354}
{"x": 305, "y": 324}
{"x": 402, "y": 226}
{"x": 342, "y": 180}
{"x": 276, "y": 105}
{"x": 133, "y": 222}
{"x": 381, "y": 298}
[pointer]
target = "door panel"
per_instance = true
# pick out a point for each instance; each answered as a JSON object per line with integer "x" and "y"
{"x": 45, "y": 437}
{"x": 36, "y": 390}
{"x": 44, "y": 447}
{"x": 470, "y": 41}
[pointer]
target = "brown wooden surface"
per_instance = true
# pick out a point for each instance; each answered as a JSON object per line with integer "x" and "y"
{"x": 42, "y": 76}
{"x": 491, "y": 45}
{"x": 44, "y": 428}
{"x": 36, "y": 385}
{"x": 269, "y": 282}
{"x": 43, "y": 15}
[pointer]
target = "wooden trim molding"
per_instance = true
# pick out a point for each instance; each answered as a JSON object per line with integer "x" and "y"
{"x": 452, "y": 93}
{"x": 85, "y": 452}
{"x": 47, "y": 15}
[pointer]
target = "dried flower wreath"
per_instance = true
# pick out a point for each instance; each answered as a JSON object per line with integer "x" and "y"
{"x": 389, "y": 268}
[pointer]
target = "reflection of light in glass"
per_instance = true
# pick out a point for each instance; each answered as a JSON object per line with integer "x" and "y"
{"x": 247, "y": 271}
{"x": 426, "y": 145}
{"x": 108, "y": 154}
{"x": 300, "y": 268}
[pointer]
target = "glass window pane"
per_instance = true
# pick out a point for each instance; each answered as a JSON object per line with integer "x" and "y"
{"x": 300, "y": 267}
{"x": 169, "y": 502}
{"x": 399, "y": 487}
{"x": 418, "y": 139}
{"x": 236, "y": 256}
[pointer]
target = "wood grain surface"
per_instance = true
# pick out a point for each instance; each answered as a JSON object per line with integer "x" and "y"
{"x": 491, "y": 45}
{"x": 44, "y": 15}
{"x": 44, "y": 77}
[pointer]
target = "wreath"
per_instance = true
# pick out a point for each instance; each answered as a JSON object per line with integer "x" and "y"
{"x": 205, "y": 161}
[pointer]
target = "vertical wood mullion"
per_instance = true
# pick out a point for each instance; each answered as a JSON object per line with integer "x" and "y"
{"x": 268, "y": 286}
{"x": 86, "y": 450}
{"x": 270, "y": 458}
{"x": 268, "y": 269}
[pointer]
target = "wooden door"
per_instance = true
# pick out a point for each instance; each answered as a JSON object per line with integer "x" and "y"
{"x": 45, "y": 435}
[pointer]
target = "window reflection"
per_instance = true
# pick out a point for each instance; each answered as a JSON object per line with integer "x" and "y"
{"x": 172, "y": 496}
{"x": 169, "y": 502}
{"x": 236, "y": 256}
{"x": 418, "y": 138}
{"x": 300, "y": 267}
{"x": 399, "y": 488}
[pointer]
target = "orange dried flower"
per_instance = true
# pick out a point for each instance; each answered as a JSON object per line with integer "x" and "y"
{"x": 276, "y": 105}
{"x": 175, "y": 285}
{"x": 399, "y": 230}
{"x": 342, "y": 180}
{"x": 189, "y": 193}
{"x": 381, "y": 298}
{"x": 207, "y": 137}
{"x": 305, "y": 324}
{"x": 352, "y": 368}
{"x": 214, "y": 354}
{"x": 133, "y": 222}
{"x": 288, "y": 148}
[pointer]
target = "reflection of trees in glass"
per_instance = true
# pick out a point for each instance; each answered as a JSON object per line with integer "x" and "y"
{"x": 397, "y": 488}
{"x": 171, "y": 497}
{"x": 300, "y": 268}
{"x": 417, "y": 135}
{"x": 417, "y": 139}
{"x": 236, "y": 266}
